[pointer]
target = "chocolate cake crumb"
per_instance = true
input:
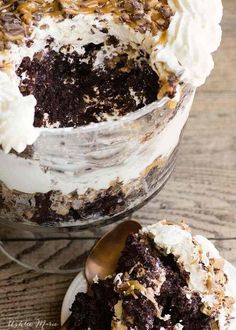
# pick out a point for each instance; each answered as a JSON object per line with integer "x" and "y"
{"x": 97, "y": 316}
{"x": 71, "y": 91}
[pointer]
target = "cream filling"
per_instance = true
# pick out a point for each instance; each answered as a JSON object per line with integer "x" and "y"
{"x": 16, "y": 116}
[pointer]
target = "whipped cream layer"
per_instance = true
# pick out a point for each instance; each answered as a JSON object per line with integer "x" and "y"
{"x": 209, "y": 274}
{"x": 183, "y": 49}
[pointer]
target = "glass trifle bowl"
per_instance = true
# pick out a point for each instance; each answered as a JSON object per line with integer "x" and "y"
{"x": 72, "y": 182}
{"x": 94, "y": 96}
{"x": 94, "y": 174}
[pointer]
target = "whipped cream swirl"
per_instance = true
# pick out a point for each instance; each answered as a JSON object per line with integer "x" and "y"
{"x": 193, "y": 35}
{"x": 16, "y": 116}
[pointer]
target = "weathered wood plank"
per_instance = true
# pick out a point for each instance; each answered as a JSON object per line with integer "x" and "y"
{"x": 202, "y": 191}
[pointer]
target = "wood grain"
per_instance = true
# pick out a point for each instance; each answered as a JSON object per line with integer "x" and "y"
{"x": 202, "y": 191}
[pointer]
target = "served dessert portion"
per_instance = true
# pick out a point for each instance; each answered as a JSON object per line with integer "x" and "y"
{"x": 93, "y": 99}
{"x": 166, "y": 279}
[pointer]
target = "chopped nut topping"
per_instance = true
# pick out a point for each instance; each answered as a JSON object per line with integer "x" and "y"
{"x": 169, "y": 87}
{"x": 17, "y": 16}
{"x": 130, "y": 287}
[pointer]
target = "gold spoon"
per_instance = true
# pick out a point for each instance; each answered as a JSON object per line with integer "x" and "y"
{"x": 104, "y": 256}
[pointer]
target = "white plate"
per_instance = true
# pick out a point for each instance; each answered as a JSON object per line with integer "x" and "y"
{"x": 79, "y": 284}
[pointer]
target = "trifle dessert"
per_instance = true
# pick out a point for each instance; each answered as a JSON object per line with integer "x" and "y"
{"x": 166, "y": 279}
{"x": 93, "y": 99}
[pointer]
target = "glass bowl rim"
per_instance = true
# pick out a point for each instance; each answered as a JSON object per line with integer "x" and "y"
{"x": 109, "y": 124}
{"x": 114, "y": 124}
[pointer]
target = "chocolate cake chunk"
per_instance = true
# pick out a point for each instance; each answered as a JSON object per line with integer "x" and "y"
{"x": 95, "y": 311}
{"x": 148, "y": 291}
{"x": 89, "y": 314}
{"x": 72, "y": 90}
{"x": 137, "y": 257}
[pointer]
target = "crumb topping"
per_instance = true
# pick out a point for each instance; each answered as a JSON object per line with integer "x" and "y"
{"x": 16, "y": 17}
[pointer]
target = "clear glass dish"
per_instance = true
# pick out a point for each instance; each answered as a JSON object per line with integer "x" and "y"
{"x": 78, "y": 180}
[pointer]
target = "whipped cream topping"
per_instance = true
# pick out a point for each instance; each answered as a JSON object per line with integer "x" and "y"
{"x": 16, "y": 116}
{"x": 194, "y": 33}
{"x": 195, "y": 255}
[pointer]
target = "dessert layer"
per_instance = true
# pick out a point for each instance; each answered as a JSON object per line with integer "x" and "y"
{"x": 166, "y": 21}
{"x": 144, "y": 16}
{"x": 152, "y": 289}
{"x": 74, "y": 90}
{"x": 148, "y": 292}
{"x": 94, "y": 206}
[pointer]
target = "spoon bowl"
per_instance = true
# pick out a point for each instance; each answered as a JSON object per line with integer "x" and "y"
{"x": 104, "y": 256}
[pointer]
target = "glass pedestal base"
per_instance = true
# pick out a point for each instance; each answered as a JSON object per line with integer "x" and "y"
{"x": 61, "y": 253}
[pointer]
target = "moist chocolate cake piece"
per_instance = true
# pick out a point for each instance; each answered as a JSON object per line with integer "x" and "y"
{"x": 94, "y": 311}
{"x": 87, "y": 313}
{"x": 71, "y": 90}
{"x": 139, "y": 311}
{"x": 148, "y": 291}
{"x": 137, "y": 260}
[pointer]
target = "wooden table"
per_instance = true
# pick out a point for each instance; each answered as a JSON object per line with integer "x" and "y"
{"x": 201, "y": 191}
